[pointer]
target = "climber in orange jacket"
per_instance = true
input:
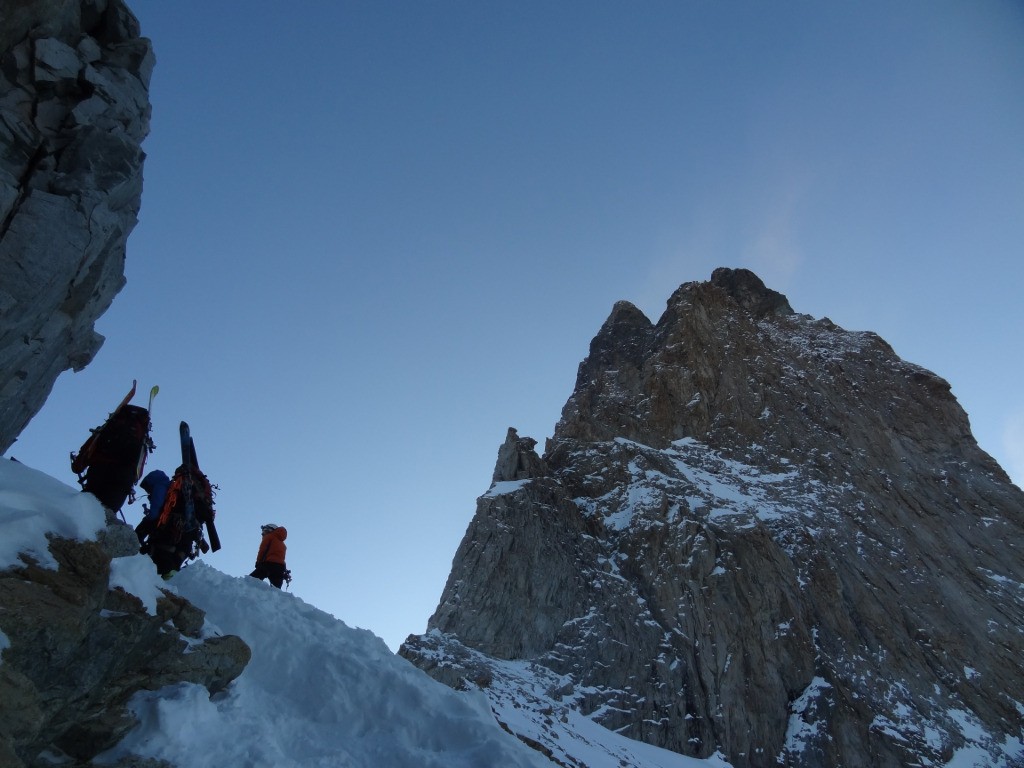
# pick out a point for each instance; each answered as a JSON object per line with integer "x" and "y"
{"x": 270, "y": 562}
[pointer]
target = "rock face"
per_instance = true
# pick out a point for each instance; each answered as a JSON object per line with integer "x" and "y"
{"x": 517, "y": 459}
{"x": 755, "y": 533}
{"x": 78, "y": 651}
{"x": 74, "y": 109}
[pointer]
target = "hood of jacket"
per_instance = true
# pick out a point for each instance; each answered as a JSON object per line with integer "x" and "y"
{"x": 155, "y": 481}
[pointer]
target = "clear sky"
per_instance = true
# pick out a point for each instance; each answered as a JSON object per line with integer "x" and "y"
{"x": 375, "y": 235}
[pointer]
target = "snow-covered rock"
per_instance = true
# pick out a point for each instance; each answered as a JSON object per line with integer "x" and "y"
{"x": 82, "y": 632}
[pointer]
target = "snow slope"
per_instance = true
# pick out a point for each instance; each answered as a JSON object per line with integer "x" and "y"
{"x": 317, "y": 693}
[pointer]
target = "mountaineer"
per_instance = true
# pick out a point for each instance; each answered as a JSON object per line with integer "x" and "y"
{"x": 155, "y": 484}
{"x": 270, "y": 560}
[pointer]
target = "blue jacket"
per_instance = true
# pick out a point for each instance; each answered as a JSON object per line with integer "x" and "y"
{"x": 155, "y": 484}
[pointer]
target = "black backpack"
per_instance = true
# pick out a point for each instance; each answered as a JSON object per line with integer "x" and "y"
{"x": 110, "y": 461}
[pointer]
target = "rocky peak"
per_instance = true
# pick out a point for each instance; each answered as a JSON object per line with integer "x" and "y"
{"x": 730, "y": 364}
{"x": 74, "y": 110}
{"x": 758, "y": 534}
{"x": 750, "y": 293}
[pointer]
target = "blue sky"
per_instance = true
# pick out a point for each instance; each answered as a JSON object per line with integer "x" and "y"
{"x": 376, "y": 235}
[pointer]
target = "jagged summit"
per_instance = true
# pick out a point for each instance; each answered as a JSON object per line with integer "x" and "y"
{"x": 755, "y": 533}
{"x": 747, "y": 290}
{"x": 729, "y": 363}
{"x": 633, "y": 360}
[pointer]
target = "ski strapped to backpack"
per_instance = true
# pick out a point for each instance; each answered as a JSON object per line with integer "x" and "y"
{"x": 109, "y": 462}
{"x": 188, "y": 506}
{"x": 140, "y": 465}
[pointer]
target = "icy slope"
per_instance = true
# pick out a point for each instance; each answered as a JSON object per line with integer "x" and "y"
{"x": 316, "y": 693}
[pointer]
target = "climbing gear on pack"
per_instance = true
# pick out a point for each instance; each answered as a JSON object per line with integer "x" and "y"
{"x": 109, "y": 461}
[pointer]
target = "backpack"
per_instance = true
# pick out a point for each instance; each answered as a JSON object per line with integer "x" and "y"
{"x": 188, "y": 506}
{"x": 110, "y": 461}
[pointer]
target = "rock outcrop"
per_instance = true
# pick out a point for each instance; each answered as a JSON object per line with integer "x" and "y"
{"x": 518, "y": 459}
{"x": 74, "y": 109}
{"x": 755, "y": 533}
{"x": 79, "y": 650}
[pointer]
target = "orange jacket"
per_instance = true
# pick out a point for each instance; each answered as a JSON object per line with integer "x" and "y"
{"x": 272, "y": 548}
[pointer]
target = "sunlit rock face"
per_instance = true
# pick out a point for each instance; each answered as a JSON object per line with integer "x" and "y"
{"x": 74, "y": 109}
{"x": 756, "y": 533}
